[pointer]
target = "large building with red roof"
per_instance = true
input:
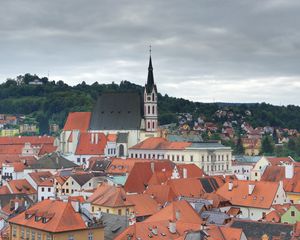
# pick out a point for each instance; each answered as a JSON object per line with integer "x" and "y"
{"x": 131, "y": 117}
{"x": 212, "y": 157}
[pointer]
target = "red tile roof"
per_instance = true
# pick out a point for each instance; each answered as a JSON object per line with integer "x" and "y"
{"x": 109, "y": 196}
{"x": 275, "y": 161}
{"x": 11, "y": 149}
{"x": 181, "y": 213}
{"x": 111, "y": 137}
{"x": 160, "y": 143}
{"x": 78, "y": 121}
{"x": 188, "y": 187}
{"x": 40, "y": 177}
{"x": 223, "y": 233}
{"x": 21, "y": 140}
{"x": 87, "y": 146}
{"x": 261, "y": 197}
{"x": 46, "y": 149}
{"x": 21, "y": 186}
{"x": 62, "y": 217}
{"x": 161, "y": 193}
{"x": 144, "y": 205}
{"x": 4, "y": 190}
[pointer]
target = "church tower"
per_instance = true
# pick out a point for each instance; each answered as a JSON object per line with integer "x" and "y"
{"x": 150, "y": 101}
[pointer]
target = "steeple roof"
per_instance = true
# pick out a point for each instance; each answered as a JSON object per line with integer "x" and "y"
{"x": 150, "y": 80}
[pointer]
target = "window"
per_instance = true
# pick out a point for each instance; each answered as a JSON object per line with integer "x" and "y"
{"x": 256, "y": 174}
{"x": 192, "y": 158}
{"x": 177, "y": 157}
{"x": 90, "y": 184}
{"x": 83, "y": 160}
{"x": 78, "y": 160}
{"x": 153, "y": 109}
{"x": 153, "y": 124}
{"x": 49, "y": 189}
{"x": 27, "y": 233}
{"x": 32, "y": 235}
{"x": 91, "y": 236}
{"x": 107, "y": 210}
{"x": 182, "y": 158}
{"x": 292, "y": 213}
{"x": 120, "y": 211}
{"x": 148, "y": 125}
{"x": 148, "y": 109}
{"x": 93, "y": 209}
{"x": 71, "y": 237}
{"x": 67, "y": 183}
{"x": 14, "y": 231}
{"x": 48, "y": 237}
{"x": 202, "y": 158}
{"x": 22, "y": 232}
{"x": 42, "y": 198}
{"x": 39, "y": 236}
{"x": 173, "y": 158}
{"x": 67, "y": 190}
{"x": 43, "y": 189}
{"x": 153, "y": 97}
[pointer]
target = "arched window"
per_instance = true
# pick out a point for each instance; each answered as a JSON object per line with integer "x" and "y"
{"x": 148, "y": 125}
{"x": 121, "y": 150}
{"x": 148, "y": 109}
{"x": 153, "y": 109}
{"x": 153, "y": 97}
{"x": 153, "y": 125}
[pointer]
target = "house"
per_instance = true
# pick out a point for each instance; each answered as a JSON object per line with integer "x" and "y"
{"x": 76, "y": 183}
{"x": 255, "y": 199}
{"x": 263, "y": 230}
{"x": 43, "y": 183}
{"x": 243, "y": 165}
{"x": 110, "y": 199}
{"x": 171, "y": 222}
{"x": 53, "y": 219}
{"x": 289, "y": 174}
{"x": 261, "y": 165}
{"x": 213, "y": 158}
{"x": 12, "y": 171}
{"x": 292, "y": 215}
{"x": 21, "y": 186}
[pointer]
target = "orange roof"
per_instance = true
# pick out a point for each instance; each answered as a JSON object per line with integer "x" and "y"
{"x": 109, "y": 196}
{"x": 47, "y": 148}
{"x": 111, "y": 137}
{"x": 273, "y": 216}
{"x": 11, "y": 149}
{"x": 61, "y": 180}
{"x": 120, "y": 166}
{"x": 223, "y": 233}
{"x": 21, "y": 186}
{"x": 4, "y": 190}
{"x": 18, "y": 166}
{"x": 180, "y": 212}
{"x": 160, "y": 143}
{"x": 141, "y": 173}
{"x": 144, "y": 205}
{"x": 261, "y": 197}
{"x": 62, "y": 217}
{"x": 161, "y": 193}
{"x": 40, "y": 177}
{"x": 76, "y": 198}
{"x": 78, "y": 121}
{"x": 21, "y": 140}
{"x": 87, "y": 147}
{"x": 188, "y": 187}
{"x": 192, "y": 170}
{"x": 275, "y": 161}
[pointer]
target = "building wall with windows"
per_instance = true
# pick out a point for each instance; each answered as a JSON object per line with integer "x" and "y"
{"x": 45, "y": 192}
{"x": 291, "y": 216}
{"x": 212, "y": 160}
{"x": 22, "y": 232}
{"x": 123, "y": 211}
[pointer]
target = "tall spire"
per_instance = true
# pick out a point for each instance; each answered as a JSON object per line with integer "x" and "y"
{"x": 150, "y": 79}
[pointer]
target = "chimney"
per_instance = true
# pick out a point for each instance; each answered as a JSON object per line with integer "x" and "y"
{"x": 154, "y": 230}
{"x": 289, "y": 171}
{"x": 92, "y": 138}
{"x": 172, "y": 227}
{"x": 184, "y": 173}
{"x": 96, "y": 138}
{"x": 251, "y": 187}
{"x": 152, "y": 166}
{"x": 230, "y": 186}
{"x": 177, "y": 214}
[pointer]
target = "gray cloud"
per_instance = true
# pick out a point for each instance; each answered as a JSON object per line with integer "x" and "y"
{"x": 237, "y": 51}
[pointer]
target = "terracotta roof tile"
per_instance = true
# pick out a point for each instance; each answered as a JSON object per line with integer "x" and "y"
{"x": 261, "y": 197}
{"x": 161, "y": 193}
{"x": 91, "y": 144}
{"x": 62, "y": 217}
{"x": 144, "y": 205}
{"x": 161, "y": 143}
{"x": 78, "y": 121}
{"x": 21, "y": 186}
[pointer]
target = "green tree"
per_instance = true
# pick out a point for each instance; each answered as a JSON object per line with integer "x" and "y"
{"x": 267, "y": 145}
{"x": 239, "y": 148}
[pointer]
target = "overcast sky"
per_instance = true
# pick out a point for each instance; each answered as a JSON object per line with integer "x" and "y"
{"x": 204, "y": 50}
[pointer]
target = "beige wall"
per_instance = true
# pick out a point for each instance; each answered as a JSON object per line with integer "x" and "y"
{"x": 117, "y": 211}
{"x": 16, "y": 234}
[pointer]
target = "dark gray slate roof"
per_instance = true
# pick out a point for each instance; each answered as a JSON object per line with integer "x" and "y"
{"x": 122, "y": 138}
{"x": 81, "y": 179}
{"x": 113, "y": 225}
{"x": 208, "y": 145}
{"x": 52, "y": 161}
{"x": 255, "y": 230}
{"x": 117, "y": 111}
{"x": 214, "y": 217}
{"x": 181, "y": 138}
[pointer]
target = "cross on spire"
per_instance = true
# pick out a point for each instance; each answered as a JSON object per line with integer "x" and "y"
{"x": 150, "y": 50}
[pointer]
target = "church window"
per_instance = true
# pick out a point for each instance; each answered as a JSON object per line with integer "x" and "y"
{"x": 153, "y": 97}
{"x": 153, "y": 109}
{"x": 145, "y": 156}
{"x": 121, "y": 150}
{"x": 153, "y": 125}
{"x": 148, "y": 109}
{"x": 148, "y": 125}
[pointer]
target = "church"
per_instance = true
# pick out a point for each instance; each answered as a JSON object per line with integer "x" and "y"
{"x": 119, "y": 120}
